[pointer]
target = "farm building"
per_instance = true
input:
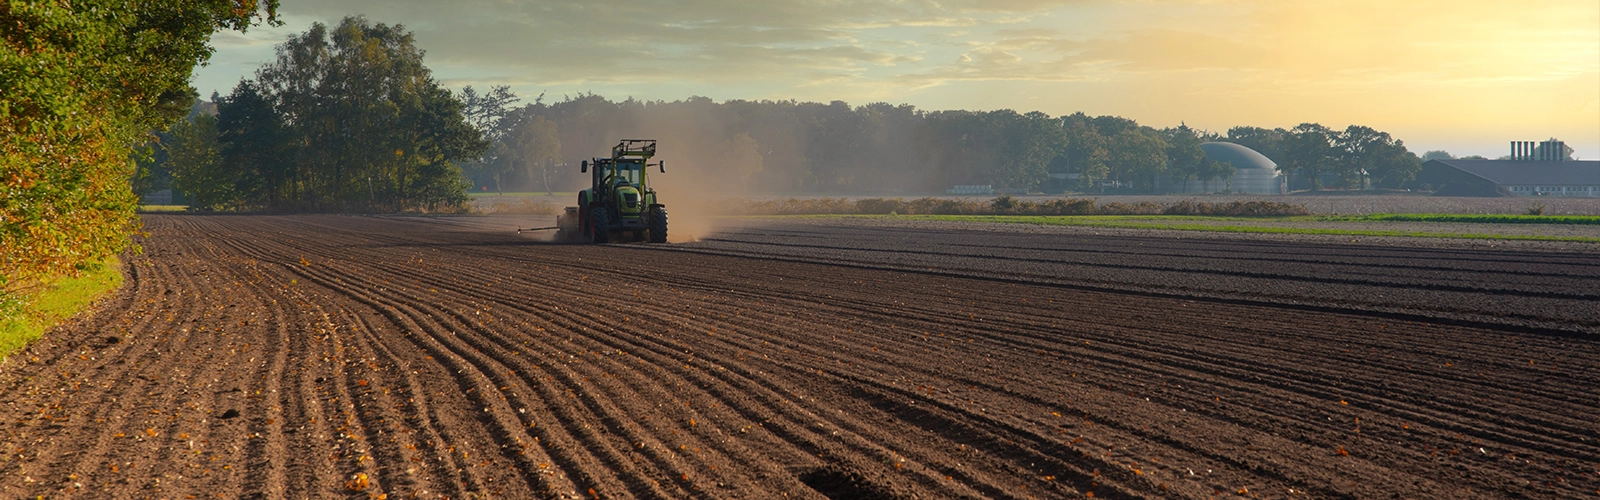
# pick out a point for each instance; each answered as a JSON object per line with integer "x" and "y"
{"x": 1253, "y": 173}
{"x": 1522, "y": 177}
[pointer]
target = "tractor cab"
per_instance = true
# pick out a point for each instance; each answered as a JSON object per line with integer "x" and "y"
{"x": 630, "y": 171}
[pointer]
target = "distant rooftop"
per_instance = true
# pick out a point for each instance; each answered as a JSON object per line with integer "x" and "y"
{"x": 1545, "y": 173}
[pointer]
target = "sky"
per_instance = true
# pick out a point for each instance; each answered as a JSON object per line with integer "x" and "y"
{"x": 1464, "y": 76}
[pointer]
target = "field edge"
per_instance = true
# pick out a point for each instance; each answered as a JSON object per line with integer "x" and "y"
{"x": 29, "y": 315}
{"x": 1155, "y": 222}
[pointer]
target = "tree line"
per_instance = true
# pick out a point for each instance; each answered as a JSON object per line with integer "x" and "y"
{"x": 797, "y": 147}
{"x": 349, "y": 119}
{"x": 81, "y": 84}
{"x": 1356, "y": 157}
{"x": 809, "y": 147}
{"x": 346, "y": 119}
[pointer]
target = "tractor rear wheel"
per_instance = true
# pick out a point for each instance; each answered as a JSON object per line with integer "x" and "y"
{"x": 600, "y": 224}
{"x": 658, "y": 225}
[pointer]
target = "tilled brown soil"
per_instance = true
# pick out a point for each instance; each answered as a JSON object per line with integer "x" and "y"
{"x": 326, "y": 356}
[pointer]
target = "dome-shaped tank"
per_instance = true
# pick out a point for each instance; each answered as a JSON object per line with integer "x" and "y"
{"x": 1253, "y": 173}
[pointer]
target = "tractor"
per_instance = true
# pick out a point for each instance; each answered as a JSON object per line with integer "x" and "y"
{"x": 619, "y": 203}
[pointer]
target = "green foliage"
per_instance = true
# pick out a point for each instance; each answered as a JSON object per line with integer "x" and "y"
{"x": 256, "y": 144}
{"x": 195, "y": 160}
{"x": 1084, "y": 150}
{"x": 1186, "y": 160}
{"x": 1003, "y": 204}
{"x": 1118, "y": 149}
{"x": 81, "y": 83}
{"x": 1309, "y": 150}
{"x": 1361, "y": 156}
{"x": 531, "y": 144}
{"x": 150, "y": 172}
{"x": 1365, "y": 154}
{"x": 1137, "y": 156}
{"x": 1437, "y": 154}
{"x": 347, "y": 118}
{"x": 486, "y": 112}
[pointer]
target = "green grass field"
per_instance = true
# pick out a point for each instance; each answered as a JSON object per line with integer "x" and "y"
{"x": 1470, "y": 218}
{"x": 24, "y": 319}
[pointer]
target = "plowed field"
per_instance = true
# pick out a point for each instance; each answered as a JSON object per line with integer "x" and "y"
{"x": 329, "y": 356}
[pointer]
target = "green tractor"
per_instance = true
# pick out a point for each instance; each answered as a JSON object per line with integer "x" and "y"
{"x": 619, "y": 202}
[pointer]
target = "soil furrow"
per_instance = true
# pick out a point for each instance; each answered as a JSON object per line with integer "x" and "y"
{"x": 316, "y": 356}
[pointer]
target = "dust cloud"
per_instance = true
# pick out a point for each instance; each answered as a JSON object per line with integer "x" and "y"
{"x": 691, "y": 220}
{"x": 694, "y": 199}
{"x": 708, "y": 162}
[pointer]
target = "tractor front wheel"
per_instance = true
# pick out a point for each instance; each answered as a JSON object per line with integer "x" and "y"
{"x": 600, "y": 224}
{"x": 658, "y": 225}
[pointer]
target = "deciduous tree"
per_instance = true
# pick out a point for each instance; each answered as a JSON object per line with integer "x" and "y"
{"x": 1137, "y": 156}
{"x": 1185, "y": 159}
{"x": 195, "y": 159}
{"x": 81, "y": 84}
{"x": 1308, "y": 150}
{"x": 487, "y": 113}
{"x": 533, "y": 144}
{"x": 255, "y": 144}
{"x": 372, "y": 128}
{"x": 1084, "y": 149}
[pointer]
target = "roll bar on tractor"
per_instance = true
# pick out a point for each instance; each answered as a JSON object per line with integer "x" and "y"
{"x": 646, "y": 148}
{"x": 642, "y": 148}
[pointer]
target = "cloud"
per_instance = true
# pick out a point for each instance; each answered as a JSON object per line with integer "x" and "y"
{"x": 1306, "y": 59}
{"x": 606, "y": 42}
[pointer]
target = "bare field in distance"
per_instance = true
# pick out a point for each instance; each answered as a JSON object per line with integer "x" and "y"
{"x": 1324, "y": 204}
{"x": 1333, "y": 204}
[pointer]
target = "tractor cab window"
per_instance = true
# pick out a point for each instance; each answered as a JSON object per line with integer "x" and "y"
{"x": 629, "y": 171}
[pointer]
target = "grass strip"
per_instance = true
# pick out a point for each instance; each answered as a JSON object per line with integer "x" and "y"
{"x": 1470, "y": 218}
{"x": 25, "y": 317}
{"x": 1122, "y": 223}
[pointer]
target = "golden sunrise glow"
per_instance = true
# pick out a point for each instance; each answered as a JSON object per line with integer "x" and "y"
{"x": 1460, "y": 75}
